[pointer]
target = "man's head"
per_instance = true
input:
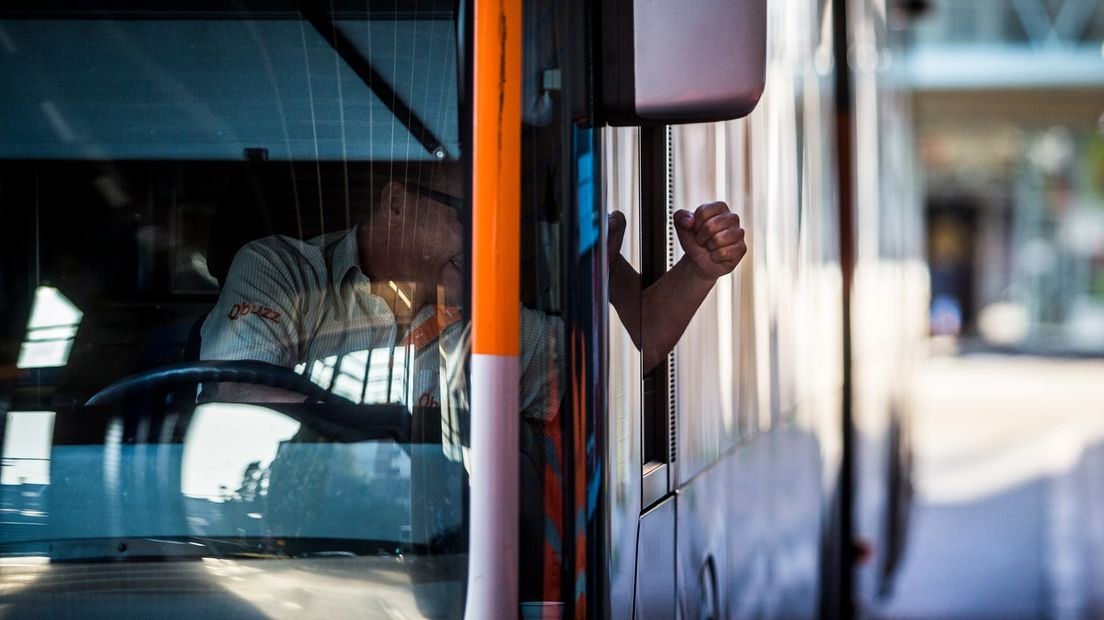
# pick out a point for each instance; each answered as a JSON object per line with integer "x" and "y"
{"x": 414, "y": 230}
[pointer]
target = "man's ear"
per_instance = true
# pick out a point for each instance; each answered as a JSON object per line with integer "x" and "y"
{"x": 393, "y": 197}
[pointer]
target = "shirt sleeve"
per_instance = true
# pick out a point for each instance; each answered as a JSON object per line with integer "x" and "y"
{"x": 257, "y": 314}
{"x": 541, "y": 365}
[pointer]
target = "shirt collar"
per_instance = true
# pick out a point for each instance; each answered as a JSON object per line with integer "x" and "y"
{"x": 345, "y": 257}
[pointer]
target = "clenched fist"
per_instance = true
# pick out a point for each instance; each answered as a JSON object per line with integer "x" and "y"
{"x": 657, "y": 315}
{"x": 712, "y": 239}
{"x": 616, "y": 235}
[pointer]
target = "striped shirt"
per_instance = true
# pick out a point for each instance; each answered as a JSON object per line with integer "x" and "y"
{"x": 308, "y": 305}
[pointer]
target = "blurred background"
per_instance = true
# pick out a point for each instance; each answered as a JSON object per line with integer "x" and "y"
{"x": 1008, "y": 400}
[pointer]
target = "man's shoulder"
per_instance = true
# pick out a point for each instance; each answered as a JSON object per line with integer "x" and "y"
{"x": 309, "y": 263}
{"x": 286, "y": 252}
{"x": 285, "y": 245}
{"x": 277, "y": 259}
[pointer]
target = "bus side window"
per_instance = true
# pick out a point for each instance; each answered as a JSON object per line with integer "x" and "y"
{"x": 714, "y": 373}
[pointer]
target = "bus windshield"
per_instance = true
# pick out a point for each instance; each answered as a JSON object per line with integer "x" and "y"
{"x": 234, "y": 297}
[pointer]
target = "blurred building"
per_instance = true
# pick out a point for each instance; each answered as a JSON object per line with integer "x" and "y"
{"x": 1009, "y": 107}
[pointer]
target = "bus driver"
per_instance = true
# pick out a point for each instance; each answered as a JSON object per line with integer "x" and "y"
{"x": 388, "y": 289}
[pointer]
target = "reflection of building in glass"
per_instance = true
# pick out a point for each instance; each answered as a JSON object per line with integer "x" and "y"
{"x": 1010, "y": 114}
{"x": 25, "y": 473}
{"x": 226, "y": 439}
{"x": 26, "y": 448}
{"x": 50, "y": 330}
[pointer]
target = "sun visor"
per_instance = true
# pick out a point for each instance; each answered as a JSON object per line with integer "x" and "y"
{"x": 217, "y": 89}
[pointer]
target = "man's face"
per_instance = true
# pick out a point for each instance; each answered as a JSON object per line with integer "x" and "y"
{"x": 417, "y": 230}
{"x": 416, "y": 236}
{"x": 434, "y": 217}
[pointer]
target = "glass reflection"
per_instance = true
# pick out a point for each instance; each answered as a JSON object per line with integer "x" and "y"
{"x": 26, "y": 455}
{"x": 50, "y": 330}
{"x": 25, "y": 471}
{"x": 227, "y": 446}
{"x": 288, "y": 481}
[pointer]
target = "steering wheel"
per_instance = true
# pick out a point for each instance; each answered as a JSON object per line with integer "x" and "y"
{"x": 255, "y": 373}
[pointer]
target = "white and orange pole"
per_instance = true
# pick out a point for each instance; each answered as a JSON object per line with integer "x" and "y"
{"x": 496, "y": 310}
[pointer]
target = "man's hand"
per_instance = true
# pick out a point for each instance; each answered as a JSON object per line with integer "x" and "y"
{"x": 616, "y": 235}
{"x": 712, "y": 239}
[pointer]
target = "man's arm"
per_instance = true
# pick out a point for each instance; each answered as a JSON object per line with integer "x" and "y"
{"x": 656, "y": 317}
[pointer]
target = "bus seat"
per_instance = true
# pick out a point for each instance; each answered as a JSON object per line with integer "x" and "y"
{"x": 242, "y": 214}
{"x": 300, "y": 200}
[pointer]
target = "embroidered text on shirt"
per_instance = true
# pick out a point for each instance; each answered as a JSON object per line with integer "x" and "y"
{"x": 243, "y": 309}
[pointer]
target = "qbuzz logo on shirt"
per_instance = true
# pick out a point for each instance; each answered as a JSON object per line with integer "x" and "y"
{"x": 244, "y": 309}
